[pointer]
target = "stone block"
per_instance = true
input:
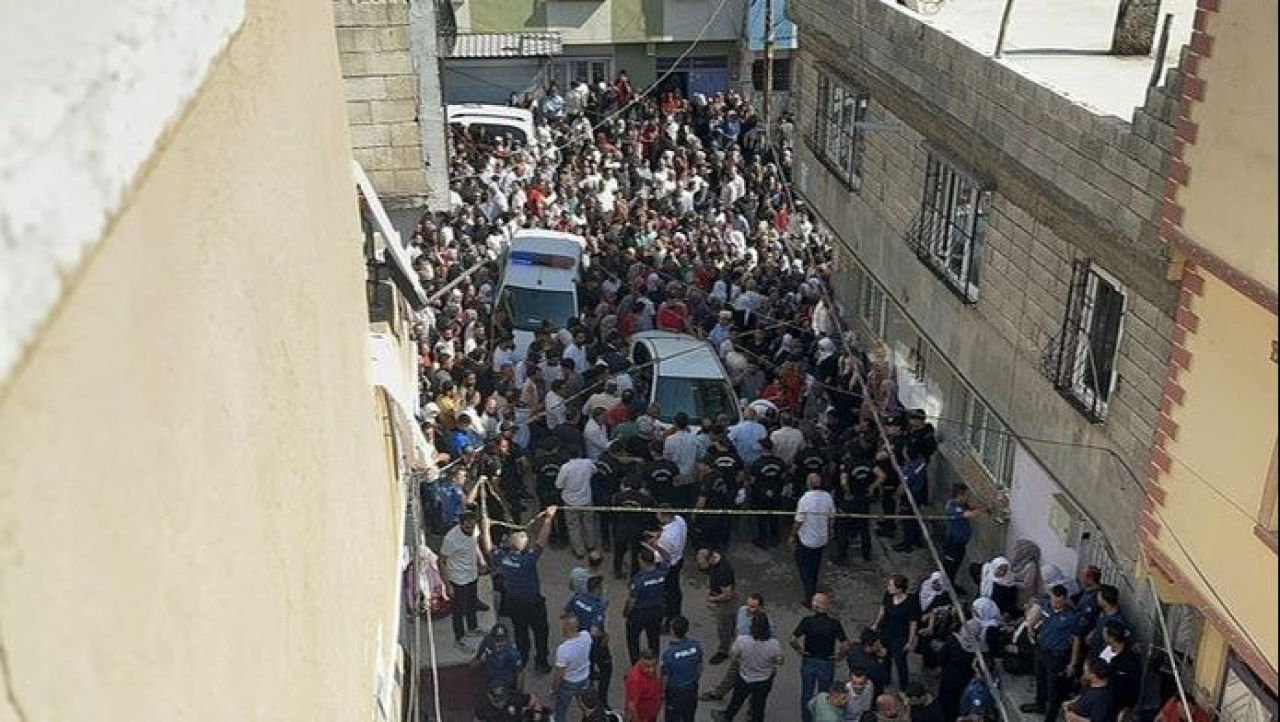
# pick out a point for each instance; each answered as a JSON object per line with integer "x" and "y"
{"x": 405, "y": 134}
{"x": 406, "y": 157}
{"x": 354, "y": 64}
{"x": 393, "y": 38}
{"x": 384, "y": 181}
{"x": 359, "y": 112}
{"x": 389, "y": 63}
{"x": 365, "y": 88}
{"x": 410, "y": 181}
{"x": 399, "y": 87}
{"x": 359, "y": 14}
{"x": 358, "y": 40}
{"x": 369, "y": 136}
{"x": 368, "y": 159}
{"x": 394, "y": 111}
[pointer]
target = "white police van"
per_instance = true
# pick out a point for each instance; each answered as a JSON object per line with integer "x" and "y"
{"x": 540, "y": 274}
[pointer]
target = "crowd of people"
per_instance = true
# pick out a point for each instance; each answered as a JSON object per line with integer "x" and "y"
{"x": 690, "y": 227}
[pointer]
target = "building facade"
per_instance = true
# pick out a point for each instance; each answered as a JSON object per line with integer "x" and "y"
{"x": 996, "y": 224}
{"x": 202, "y": 506}
{"x": 517, "y": 46}
{"x": 1209, "y": 526}
{"x": 390, "y": 60}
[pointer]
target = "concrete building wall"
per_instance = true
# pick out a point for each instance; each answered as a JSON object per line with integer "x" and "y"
{"x": 683, "y": 20}
{"x": 197, "y": 518}
{"x": 382, "y": 92}
{"x": 582, "y": 23}
{"x": 1068, "y": 184}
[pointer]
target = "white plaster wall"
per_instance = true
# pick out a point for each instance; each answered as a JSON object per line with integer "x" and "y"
{"x": 582, "y": 23}
{"x": 683, "y": 19}
{"x": 86, "y": 90}
{"x": 1029, "y": 501}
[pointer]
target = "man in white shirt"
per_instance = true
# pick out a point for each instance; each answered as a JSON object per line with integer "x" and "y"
{"x": 810, "y": 533}
{"x": 787, "y": 439}
{"x": 572, "y": 674}
{"x": 553, "y": 402}
{"x": 574, "y": 483}
{"x": 595, "y": 434}
{"x": 671, "y": 540}
{"x": 683, "y": 448}
{"x": 462, "y": 563}
{"x": 746, "y": 435}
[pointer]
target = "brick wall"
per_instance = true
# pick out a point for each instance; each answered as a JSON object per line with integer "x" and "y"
{"x": 1068, "y": 184}
{"x": 382, "y": 97}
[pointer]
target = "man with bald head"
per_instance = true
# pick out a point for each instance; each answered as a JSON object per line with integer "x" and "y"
{"x": 820, "y": 640}
{"x": 813, "y": 523}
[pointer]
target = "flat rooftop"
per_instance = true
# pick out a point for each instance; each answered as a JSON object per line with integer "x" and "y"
{"x": 1063, "y": 44}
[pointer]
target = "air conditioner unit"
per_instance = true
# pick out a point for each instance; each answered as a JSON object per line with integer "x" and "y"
{"x": 1064, "y": 520}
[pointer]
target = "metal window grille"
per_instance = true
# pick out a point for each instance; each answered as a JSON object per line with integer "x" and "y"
{"x": 948, "y": 232}
{"x": 989, "y": 440}
{"x": 837, "y": 130}
{"x": 1082, "y": 359}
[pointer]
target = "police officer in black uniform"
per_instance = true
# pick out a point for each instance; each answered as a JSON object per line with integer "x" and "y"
{"x": 546, "y": 467}
{"x": 768, "y": 475}
{"x": 659, "y": 476}
{"x": 719, "y": 488}
{"x": 853, "y": 496}
{"x": 629, "y": 528}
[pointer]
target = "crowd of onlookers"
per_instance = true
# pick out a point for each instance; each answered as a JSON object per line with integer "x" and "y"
{"x": 690, "y": 226}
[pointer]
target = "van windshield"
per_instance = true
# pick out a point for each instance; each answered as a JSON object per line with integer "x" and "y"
{"x": 701, "y": 399}
{"x": 529, "y": 307}
{"x": 491, "y": 131}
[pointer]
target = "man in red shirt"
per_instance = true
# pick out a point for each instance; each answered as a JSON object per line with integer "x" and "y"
{"x": 644, "y": 689}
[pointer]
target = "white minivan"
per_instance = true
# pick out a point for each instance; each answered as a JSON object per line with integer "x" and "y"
{"x": 540, "y": 274}
{"x": 679, "y": 373}
{"x": 495, "y": 121}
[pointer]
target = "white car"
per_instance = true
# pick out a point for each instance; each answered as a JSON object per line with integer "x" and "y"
{"x": 541, "y": 271}
{"x": 496, "y": 121}
{"x": 679, "y": 373}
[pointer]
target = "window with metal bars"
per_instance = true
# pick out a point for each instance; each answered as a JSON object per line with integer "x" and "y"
{"x": 1084, "y": 367}
{"x": 948, "y": 232}
{"x": 837, "y": 141}
{"x": 989, "y": 440}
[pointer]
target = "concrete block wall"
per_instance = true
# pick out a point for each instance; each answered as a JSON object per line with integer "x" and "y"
{"x": 1068, "y": 184}
{"x": 382, "y": 97}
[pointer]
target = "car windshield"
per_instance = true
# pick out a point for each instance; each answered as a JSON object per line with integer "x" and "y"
{"x": 698, "y": 398}
{"x": 529, "y": 307}
{"x": 489, "y": 131}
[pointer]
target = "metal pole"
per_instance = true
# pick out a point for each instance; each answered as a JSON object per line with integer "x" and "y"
{"x": 1004, "y": 26}
{"x": 768, "y": 72}
{"x": 1161, "y": 48}
{"x": 451, "y": 284}
{"x": 1168, "y": 642}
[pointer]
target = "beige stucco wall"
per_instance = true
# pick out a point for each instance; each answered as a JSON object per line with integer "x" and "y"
{"x": 1229, "y": 201}
{"x": 197, "y": 521}
{"x": 1220, "y": 458}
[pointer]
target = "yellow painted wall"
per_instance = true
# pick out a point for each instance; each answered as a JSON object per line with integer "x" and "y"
{"x": 1227, "y": 431}
{"x": 197, "y": 521}
{"x": 1230, "y": 199}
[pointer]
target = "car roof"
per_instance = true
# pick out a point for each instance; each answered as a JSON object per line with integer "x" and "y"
{"x": 543, "y": 233}
{"x": 681, "y": 355}
{"x": 482, "y": 110}
{"x": 539, "y": 278}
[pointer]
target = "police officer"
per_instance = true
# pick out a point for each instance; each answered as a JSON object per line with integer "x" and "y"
{"x": 1058, "y": 654}
{"x": 646, "y": 602}
{"x": 768, "y": 474}
{"x": 681, "y": 670}
{"x": 719, "y": 490}
{"x": 612, "y": 466}
{"x": 659, "y": 475}
{"x": 629, "y": 528}
{"x": 853, "y": 497}
{"x": 522, "y": 600}
{"x": 546, "y": 467}
{"x": 589, "y": 608}
{"x": 812, "y": 459}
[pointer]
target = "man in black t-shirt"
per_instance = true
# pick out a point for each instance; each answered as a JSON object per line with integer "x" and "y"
{"x": 1095, "y": 702}
{"x": 721, "y": 599}
{"x": 768, "y": 474}
{"x": 853, "y": 497}
{"x": 719, "y": 486}
{"x": 811, "y": 460}
{"x": 821, "y": 640}
{"x": 659, "y": 476}
{"x": 503, "y": 704}
{"x": 885, "y": 486}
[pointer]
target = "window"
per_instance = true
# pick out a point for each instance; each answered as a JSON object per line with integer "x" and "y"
{"x": 989, "y": 440}
{"x": 700, "y": 399}
{"x": 566, "y": 71}
{"x": 948, "y": 231}
{"x": 781, "y": 74}
{"x": 871, "y": 306}
{"x": 1081, "y": 359}
{"x": 837, "y": 131}
{"x": 529, "y": 307}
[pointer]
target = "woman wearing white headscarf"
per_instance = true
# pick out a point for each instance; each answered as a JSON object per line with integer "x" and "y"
{"x": 986, "y": 611}
{"x": 1051, "y": 575}
{"x": 999, "y": 584}
{"x": 933, "y": 594}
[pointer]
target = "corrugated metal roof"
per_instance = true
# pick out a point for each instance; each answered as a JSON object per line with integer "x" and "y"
{"x": 506, "y": 45}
